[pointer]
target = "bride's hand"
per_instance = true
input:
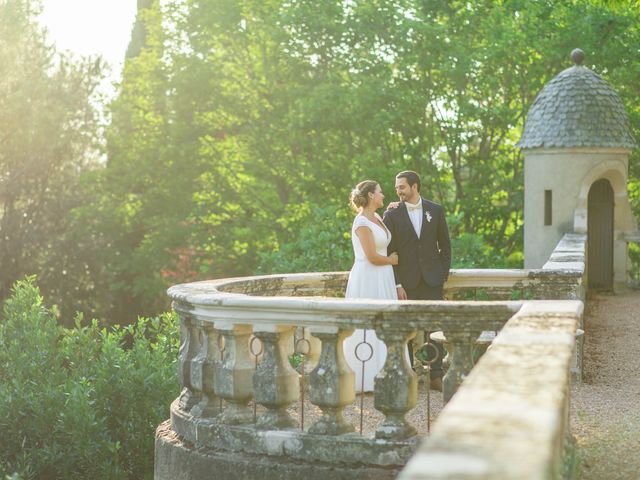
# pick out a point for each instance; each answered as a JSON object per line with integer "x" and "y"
{"x": 393, "y": 205}
{"x": 393, "y": 258}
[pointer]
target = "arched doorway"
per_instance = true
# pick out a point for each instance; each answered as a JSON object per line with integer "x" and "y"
{"x": 600, "y": 235}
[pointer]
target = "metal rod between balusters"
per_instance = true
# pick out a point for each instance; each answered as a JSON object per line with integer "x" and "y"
{"x": 221, "y": 347}
{"x": 255, "y": 356}
{"x": 297, "y": 350}
{"x": 302, "y": 394}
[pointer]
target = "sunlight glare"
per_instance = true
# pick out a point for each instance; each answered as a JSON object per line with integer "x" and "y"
{"x": 91, "y": 27}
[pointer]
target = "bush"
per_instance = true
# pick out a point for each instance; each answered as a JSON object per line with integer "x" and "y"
{"x": 81, "y": 402}
{"x": 321, "y": 242}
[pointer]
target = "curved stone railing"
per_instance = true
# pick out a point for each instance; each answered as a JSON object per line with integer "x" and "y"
{"x": 219, "y": 320}
{"x": 237, "y": 335}
{"x": 561, "y": 278}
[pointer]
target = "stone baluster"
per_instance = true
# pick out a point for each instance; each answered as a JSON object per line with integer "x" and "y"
{"x": 461, "y": 360}
{"x": 233, "y": 378}
{"x": 189, "y": 347}
{"x": 396, "y": 386}
{"x": 275, "y": 382}
{"x": 203, "y": 369}
{"x": 332, "y": 382}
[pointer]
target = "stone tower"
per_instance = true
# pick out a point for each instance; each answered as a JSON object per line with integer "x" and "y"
{"x": 576, "y": 144}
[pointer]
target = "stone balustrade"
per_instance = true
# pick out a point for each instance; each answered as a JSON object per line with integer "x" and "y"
{"x": 237, "y": 336}
{"x": 219, "y": 329}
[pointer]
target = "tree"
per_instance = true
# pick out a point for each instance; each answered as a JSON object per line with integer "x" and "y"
{"x": 240, "y": 126}
{"x": 47, "y": 136}
{"x": 129, "y": 203}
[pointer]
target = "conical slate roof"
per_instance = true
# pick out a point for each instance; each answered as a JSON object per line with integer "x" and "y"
{"x": 577, "y": 109}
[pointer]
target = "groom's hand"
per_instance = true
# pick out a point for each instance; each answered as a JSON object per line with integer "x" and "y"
{"x": 402, "y": 295}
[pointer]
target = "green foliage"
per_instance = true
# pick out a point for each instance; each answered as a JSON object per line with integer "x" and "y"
{"x": 320, "y": 241}
{"x": 634, "y": 268}
{"x": 521, "y": 294}
{"x": 476, "y": 294}
{"x": 472, "y": 250}
{"x": 239, "y": 128}
{"x": 258, "y": 111}
{"x": 296, "y": 359}
{"x": 239, "y": 124}
{"x": 48, "y": 135}
{"x": 81, "y": 402}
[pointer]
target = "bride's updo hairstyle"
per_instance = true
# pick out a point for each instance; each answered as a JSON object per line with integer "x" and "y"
{"x": 360, "y": 195}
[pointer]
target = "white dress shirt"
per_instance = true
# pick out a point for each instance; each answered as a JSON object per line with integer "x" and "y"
{"x": 415, "y": 215}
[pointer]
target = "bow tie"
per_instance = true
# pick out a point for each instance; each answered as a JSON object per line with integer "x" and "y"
{"x": 411, "y": 207}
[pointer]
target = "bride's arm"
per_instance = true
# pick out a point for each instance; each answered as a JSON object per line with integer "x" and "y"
{"x": 369, "y": 246}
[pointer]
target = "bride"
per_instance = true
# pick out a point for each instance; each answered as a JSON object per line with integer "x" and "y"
{"x": 370, "y": 277}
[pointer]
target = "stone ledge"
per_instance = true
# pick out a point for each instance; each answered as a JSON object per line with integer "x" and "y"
{"x": 176, "y": 459}
{"x": 341, "y": 449}
{"x": 564, "y": 265}
{"x": 509, "y": 418}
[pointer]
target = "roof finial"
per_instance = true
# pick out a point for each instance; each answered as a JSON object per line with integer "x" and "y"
{"x": 577, "y": 56}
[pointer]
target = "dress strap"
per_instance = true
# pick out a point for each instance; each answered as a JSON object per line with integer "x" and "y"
{"x": 360, "y": 221}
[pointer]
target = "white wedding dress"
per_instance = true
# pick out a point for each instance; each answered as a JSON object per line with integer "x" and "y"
{"x": 367, "y": 280}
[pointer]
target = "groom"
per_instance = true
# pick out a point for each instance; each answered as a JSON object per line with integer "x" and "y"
{"x": 420, "y": 236}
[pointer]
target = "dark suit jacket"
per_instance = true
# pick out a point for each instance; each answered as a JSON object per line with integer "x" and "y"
{"x": 427, "y": 257}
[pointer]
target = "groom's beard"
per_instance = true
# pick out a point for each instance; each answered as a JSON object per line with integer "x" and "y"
{"x": 405, "y": 198}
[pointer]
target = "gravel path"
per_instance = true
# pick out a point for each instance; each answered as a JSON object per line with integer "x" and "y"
{"x": 605, "y": 409}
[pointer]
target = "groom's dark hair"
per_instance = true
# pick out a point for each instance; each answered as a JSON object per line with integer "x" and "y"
{"x": 411, "y": 176}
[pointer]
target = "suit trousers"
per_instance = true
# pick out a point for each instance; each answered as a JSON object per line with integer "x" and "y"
{"x": 427, "y": 292}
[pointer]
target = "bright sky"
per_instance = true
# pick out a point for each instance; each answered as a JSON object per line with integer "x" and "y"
{"x": 90, "y": 27}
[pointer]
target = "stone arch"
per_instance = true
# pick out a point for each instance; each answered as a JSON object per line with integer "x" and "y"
{"x": 616, "y": 173}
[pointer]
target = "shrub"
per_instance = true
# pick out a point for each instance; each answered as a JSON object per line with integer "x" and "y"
{"x": 81, "y": 402}
{"x": 322, "y": 243}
